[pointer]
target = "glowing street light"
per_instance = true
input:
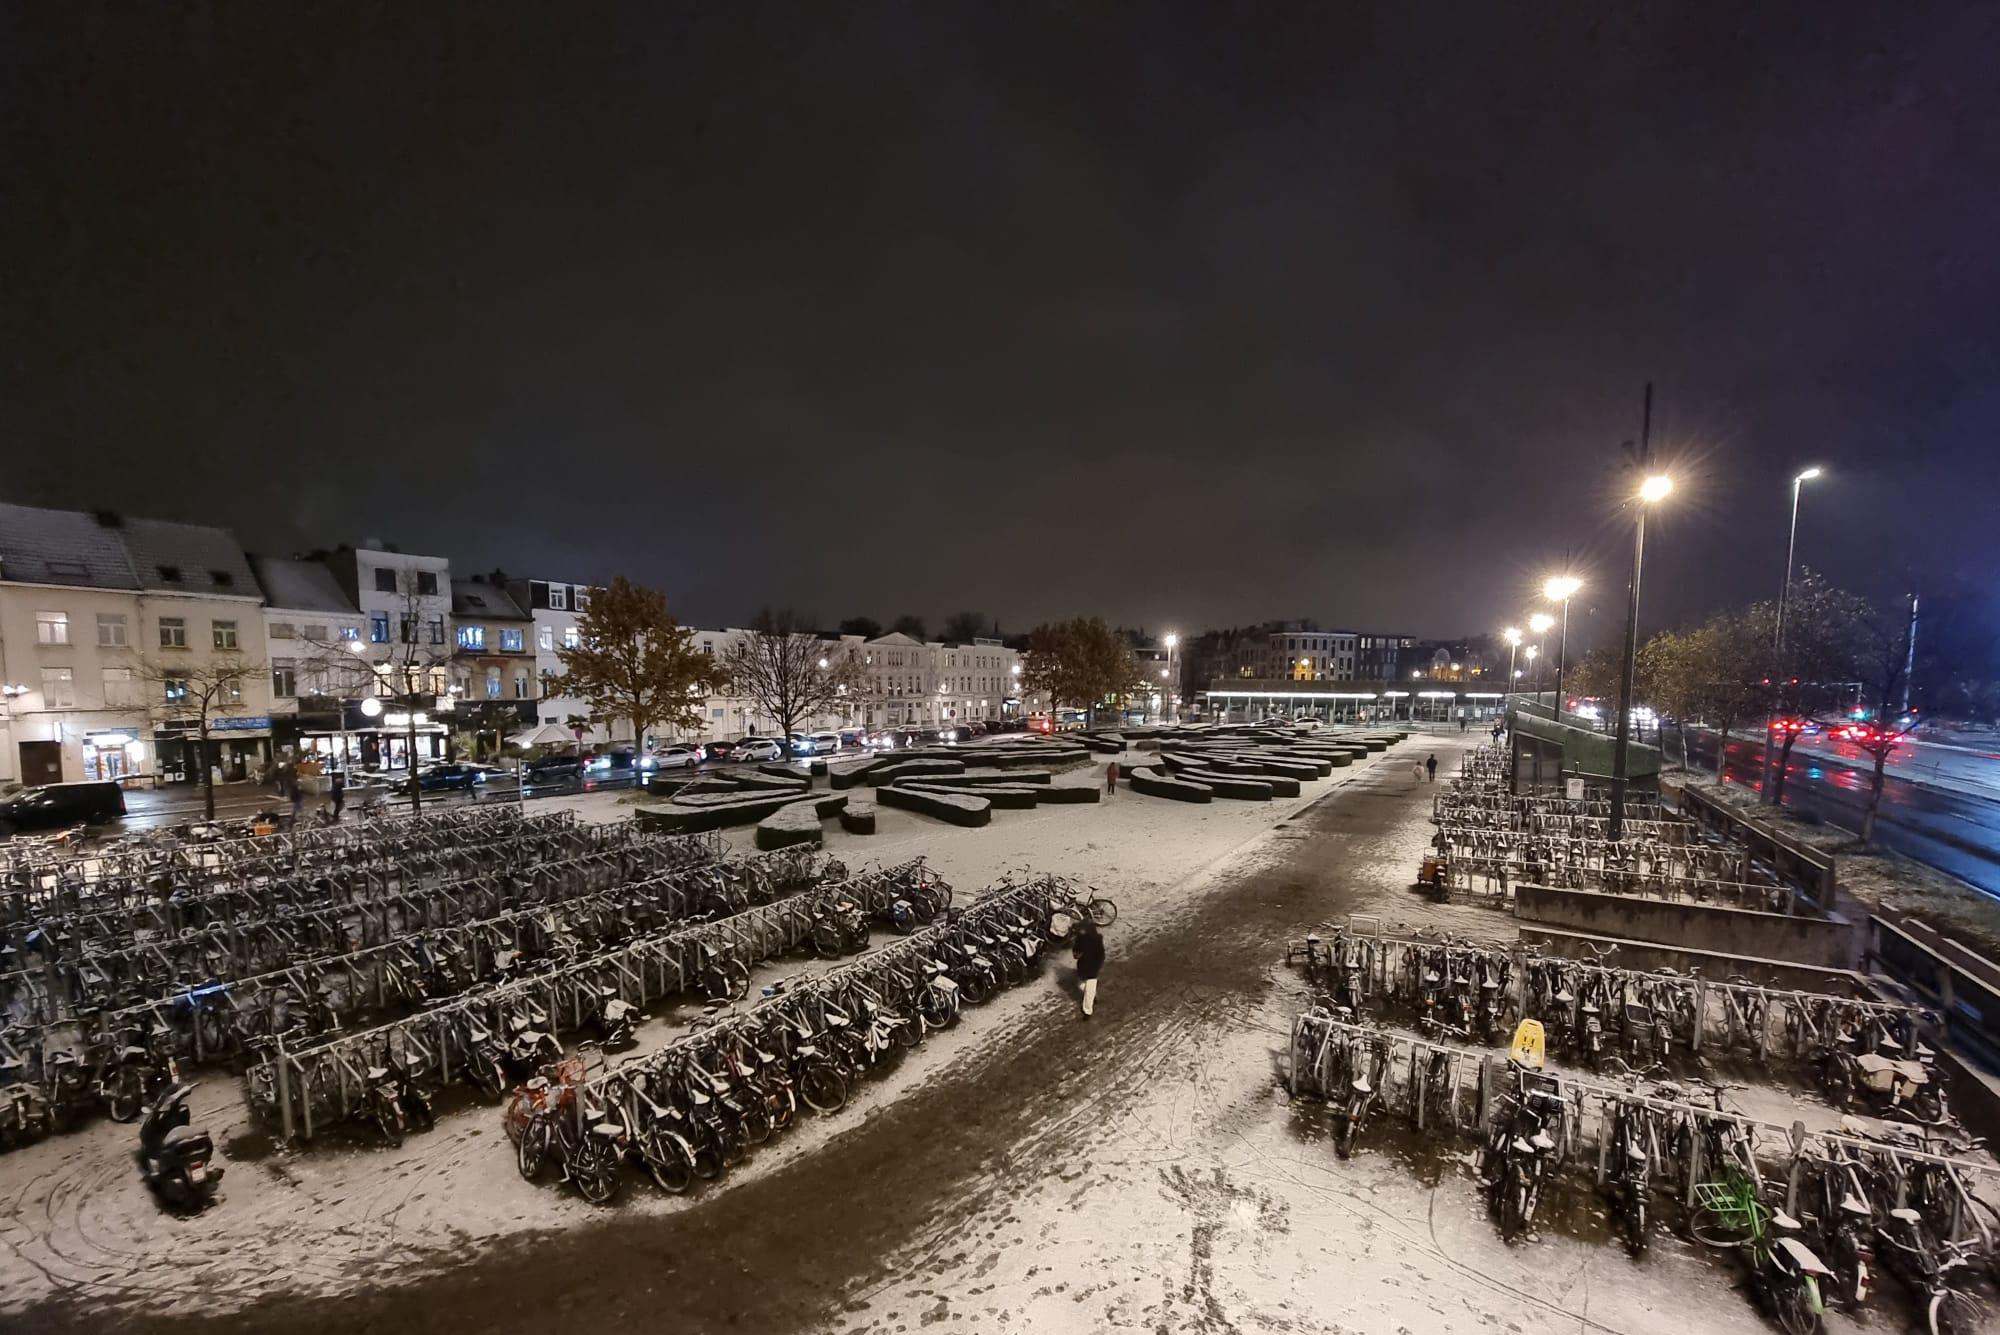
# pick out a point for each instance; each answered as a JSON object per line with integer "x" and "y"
{"x": 1513, "y": 637}
{"x": 1559, "y": 589}
{"x": 1656, "y": 488}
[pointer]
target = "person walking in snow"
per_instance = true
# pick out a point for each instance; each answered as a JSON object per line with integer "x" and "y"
{"x": 1111, "y": 779}
{"x": 1089, "y": 948}
{"x": 1431, "y": 770}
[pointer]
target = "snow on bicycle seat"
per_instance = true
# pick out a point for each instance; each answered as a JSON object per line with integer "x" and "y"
{"x": 1785, "y": 1221}
{"x": 1634, "y": 1153}
{"x": 378, "y": 1073}
{"x": 1361, "y": 1085}
{"x": 763, "y": 1058}
{"x": 1802, "y": 1256}
{"x": 1906, "y": 1214}
{"x": 1542, "y": 1141}
{"x": 1521, "y": 1146}
{"x": 1854, "y": 1205}
{"x": 606, "y": 1127}
{"x": 834, "y": 1021}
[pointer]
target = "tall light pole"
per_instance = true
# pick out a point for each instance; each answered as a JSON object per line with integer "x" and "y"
{"x": 1656, "y": 488}
{"x": 1542, "y": 623}
{"x": 1778, "y": 671}
{"x": 1560, "y": 589}
{"x": 1532, "y": 652}
{"x": 1174, "y": 713}
{"x": 1513, "y": 637}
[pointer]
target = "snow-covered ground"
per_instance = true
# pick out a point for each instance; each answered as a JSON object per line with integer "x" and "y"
{"x": 1025, "y": 1171}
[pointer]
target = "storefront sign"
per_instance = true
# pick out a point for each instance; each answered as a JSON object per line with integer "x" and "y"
{"x": 239, "y": 723}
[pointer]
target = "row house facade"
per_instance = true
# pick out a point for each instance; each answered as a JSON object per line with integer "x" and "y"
{"x": 106, "y": 624}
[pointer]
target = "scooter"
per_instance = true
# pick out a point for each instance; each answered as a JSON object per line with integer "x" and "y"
{"x": 177, "y": 1163}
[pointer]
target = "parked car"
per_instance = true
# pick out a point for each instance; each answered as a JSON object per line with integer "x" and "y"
{"x": 1005, "y": 725}
{"x": 55, "y": 805}
{"x": 758, "y": 748}
{"x": 891, "y": 739}
{"x": 449, "y": 777}
{"x": 671, "y": 757}
{"x": 553, "y": 769}
{"x": 824, "y": 743}
{"x": 717, "y": 750}
{"x": 854, "y": 739}
{"x": 953, "y": 733}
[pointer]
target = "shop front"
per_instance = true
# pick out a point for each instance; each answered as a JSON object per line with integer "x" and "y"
{"x": 115, "y": 754}
{"x": 239, "y": 747}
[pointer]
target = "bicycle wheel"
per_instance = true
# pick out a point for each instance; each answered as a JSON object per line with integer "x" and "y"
{"x": 1951, "y": 1312}
{"x": 1719, "y": 1228}
{"x": 668, "y": 1161}
{"x": 1103, "y": 912}
{"x": 822, "y": 1088}
{"x": 756, "y": 1119}
{"x": 1794, "y": 1309}
{"x": 594, "y": 1170}
{"x": 532, "y": 1150}
{"x": 975, "y": 986}
{"x": 934, "y": 1005}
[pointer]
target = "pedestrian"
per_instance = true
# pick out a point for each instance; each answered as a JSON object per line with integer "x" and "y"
{"x": 1431, "y": 770}
{"x": 298, "y": 796}
{"x": 339, "y": 794}
{"x": 1110, "y": 786}
{"x": 1089, "y": 948}
{"x": 1461, "y": 725}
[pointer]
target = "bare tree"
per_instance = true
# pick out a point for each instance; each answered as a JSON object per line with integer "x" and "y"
{"x": 417, "y": 662}
{"x": 1884, "y": 654}
{"x": 199, "y": 692}
{"x": 790, "y": 672}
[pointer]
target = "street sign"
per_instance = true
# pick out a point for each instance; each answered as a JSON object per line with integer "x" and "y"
{"x": 1575, "y": 790}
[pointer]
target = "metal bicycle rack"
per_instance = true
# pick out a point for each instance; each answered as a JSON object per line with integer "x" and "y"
{"x": 1707, "y": 1007}
{"x": 323, "y": 1081}
{"x": 1591, "y": 1109}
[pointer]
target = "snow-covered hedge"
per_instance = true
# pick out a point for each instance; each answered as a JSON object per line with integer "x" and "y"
{"x": 1156, "y": 783}
{"x": 913, "y": 769}
{"x": 1234, "y": 785}
{"x": 1069, "y": 793}
{"x": 858, "y": 816}
{"x": 1005, "y": 797}
{"x": 955, "y": 808}
{"x": 793, "y": 823}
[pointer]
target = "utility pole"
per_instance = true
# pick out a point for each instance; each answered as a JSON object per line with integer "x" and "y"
{"x": 1909, "y": 658}
{"x": 1621, "y": 746}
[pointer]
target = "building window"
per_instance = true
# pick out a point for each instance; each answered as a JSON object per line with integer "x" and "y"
{"x": 173, "y": 633}
{"x": 427, "y": 583}
{"x": 52, "y": 628}
{"x": 385, "y": 580}
{"x": 546, "y": 637}
{"x": 408, "y": 626}
{"x": 170, "y": 574}
{"x": 225, "y": 634}
{"x": 378, "y": 627}
{"x": 118, "y": 692}
{"x": 437, "y": 630}
{"x": 521, "y": 685}
{"x": 493, "y": 683}
{"x": 559, "y": 597}
{"x": 511, "y": 641}
{"x": 581, "y": 602}
{"x": 229, "y": 691}
{"x": 58, "y": 688}
{"x": 317, "y": 634}
{"x": 279, "y": 630}
{"x": 111, "y": 630}
{"x": 284, "y": 678}
{"x": 350, "y": 633}
{"x": 472, "y": 637}
{"x": 175, "y": 690}
{"x": 571, "y": 637}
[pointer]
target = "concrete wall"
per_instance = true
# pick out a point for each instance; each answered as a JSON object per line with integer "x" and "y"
{"x": 1829, "y": 942}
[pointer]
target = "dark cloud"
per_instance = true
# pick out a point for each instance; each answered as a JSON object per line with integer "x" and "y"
{"x": 1184, "y": 314}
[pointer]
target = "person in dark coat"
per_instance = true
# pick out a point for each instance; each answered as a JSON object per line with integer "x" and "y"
{"x": 339, "y": 793}
{"x": 1089, "y": 948}
{"x": 1431, "y": 769}
{"x": 1111, "y": 777}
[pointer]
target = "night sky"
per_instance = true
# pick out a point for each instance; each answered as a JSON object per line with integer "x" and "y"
{"x": 1186, "y": 315}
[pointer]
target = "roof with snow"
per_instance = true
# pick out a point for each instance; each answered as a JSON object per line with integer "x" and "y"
{"x": 63, "y": 547}
{"x": 300, "y": 586}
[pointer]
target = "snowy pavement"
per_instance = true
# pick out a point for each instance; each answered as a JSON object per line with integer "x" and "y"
{"x": 1026, "y": 1171}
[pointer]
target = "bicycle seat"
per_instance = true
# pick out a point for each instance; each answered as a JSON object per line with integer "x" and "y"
{"x": 1779, "y": 1219}
{"x": 377, "y": 1073}
{"x": 1906, "y": 1214}
{"x": 1802, "y": 1256}
{"x": 1854, "y": 1205}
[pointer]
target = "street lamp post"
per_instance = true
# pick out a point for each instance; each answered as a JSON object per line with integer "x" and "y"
{"x": 1542, "y": 623}
{"x": 1778, "y": 639}
{"x": 1513, "y": 637}
{"x": 1654, "y": 489}
{"x": 1173, "y": 708}
{"x": 1531, "y": 653}
{"x": 1560, "y": 589}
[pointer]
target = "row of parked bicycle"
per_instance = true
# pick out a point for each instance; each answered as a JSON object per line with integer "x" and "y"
{"x": 692, "y": 1110}
{"x": 1813, "y": 1230}
{"x": 1865, "y": 1055}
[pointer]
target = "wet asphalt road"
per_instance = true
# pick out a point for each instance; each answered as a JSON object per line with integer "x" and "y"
{"x": 1952, "y": 831}
{"x": 777, "y": 1252}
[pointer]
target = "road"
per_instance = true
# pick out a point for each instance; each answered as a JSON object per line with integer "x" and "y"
{"x": 1934, "y": 807}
